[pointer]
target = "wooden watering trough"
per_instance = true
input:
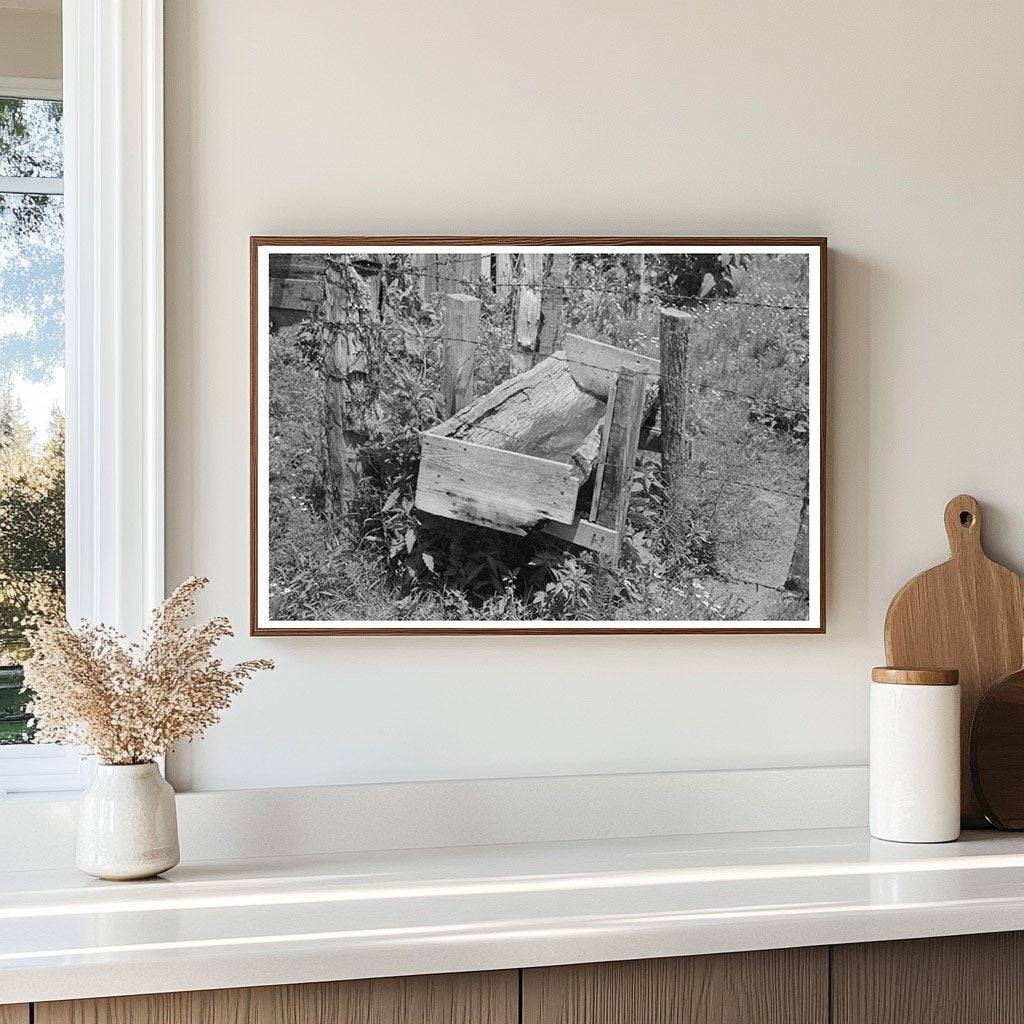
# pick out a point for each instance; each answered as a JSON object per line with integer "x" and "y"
{"x": 517, "y": 458}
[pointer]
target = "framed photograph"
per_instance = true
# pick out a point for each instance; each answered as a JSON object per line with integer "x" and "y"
{"x": 537, "y": 435}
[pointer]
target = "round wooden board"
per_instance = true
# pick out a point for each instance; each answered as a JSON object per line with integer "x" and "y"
{"x": 997, "y": 752}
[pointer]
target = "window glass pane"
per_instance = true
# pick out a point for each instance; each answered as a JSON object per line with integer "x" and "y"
{"x": 31, "y": 138}
{"x": 31, "y": 432}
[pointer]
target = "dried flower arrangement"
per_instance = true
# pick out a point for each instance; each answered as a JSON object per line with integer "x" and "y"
{"x": 129, "y": 703}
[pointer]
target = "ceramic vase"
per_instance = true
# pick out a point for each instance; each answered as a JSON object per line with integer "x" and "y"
{"x": 127, "y": 825}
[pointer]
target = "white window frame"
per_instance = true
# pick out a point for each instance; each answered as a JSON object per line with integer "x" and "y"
{"x": 114, "y": 324}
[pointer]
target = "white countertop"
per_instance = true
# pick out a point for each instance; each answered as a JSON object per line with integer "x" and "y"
{"x": 262, "y": 922}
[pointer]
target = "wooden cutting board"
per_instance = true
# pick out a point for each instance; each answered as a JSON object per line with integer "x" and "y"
{"x": 967, "y": 614}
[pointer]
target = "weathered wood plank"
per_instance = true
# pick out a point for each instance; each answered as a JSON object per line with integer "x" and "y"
{"x": 458, "y": 272}
{"x": 14, "y": 1013}
{"x": 800, "y": 563}
{"x": 350, "y": 316}
{"x": 461, "y": 331}
{"x": 541, "y": 412}
{"x": 495, "y": 398}
{"x": 296, "y": 264}
{"x": 296, "y": 293}
{"x": 503, "y": 274}
{"x": 595, "y": 365}
{"x": 526, "y": 321}
{"x": 418, "y": 266}
{"x": 551, "y": 305}
{"x": 620, "y": 457}
{"x": 486, "y": 272}
{"x": 584, "y": 533}
{"x": 504, "y": 490}
{"x": 585, "y": 459}
{"x": 430, "y": 273}
{"x": 602, "y": 457}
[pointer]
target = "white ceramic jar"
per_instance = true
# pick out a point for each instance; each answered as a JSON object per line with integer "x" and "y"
{"x": 127, "y": 824}
{"x": 915, "y": 755}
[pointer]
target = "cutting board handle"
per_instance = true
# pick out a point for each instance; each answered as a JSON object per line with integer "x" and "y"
{"x": 963, "y": 526}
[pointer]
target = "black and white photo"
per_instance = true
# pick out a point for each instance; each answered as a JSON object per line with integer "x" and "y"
{"x": 537, "y": 435}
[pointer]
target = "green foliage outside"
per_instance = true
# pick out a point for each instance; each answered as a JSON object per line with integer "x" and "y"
{"x": 31, "y": 548}
{"x": 390, "y": 561}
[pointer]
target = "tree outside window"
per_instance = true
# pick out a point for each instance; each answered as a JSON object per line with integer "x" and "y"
{"x": 32, "y": 551}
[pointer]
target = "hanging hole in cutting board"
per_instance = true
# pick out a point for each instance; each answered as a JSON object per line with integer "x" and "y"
{"x": 966, "y": 519}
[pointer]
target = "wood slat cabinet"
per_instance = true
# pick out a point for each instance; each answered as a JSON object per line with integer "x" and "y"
{"x": 962, "y": 979}
{"x": 481, "y": 998}
{"x": 970, "y": 979}
{"x": 775, "y": 986}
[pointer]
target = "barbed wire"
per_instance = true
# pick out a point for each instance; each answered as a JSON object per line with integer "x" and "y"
{"x": 701, "y": 385}
{"x": 732, "y": 481}
{"x": 625, "y": 289}
{"x": 674, "y": 300}
{"x": 448, "y": 283}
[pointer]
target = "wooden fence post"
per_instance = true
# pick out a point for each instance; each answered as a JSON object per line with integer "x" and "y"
{"x": 503, "y": 273}
{"x": 646, "y": 312}
{"x": 418, "y": 268}
{"x": 622, "y": 435}
{"x": 429, "y": 275}
{"x": 461, "y": 330}
{"x": 798, "y": 577}
{"x": 674, "y": 334}
{"x": 487, "y": 273}
{"x": 527, "y": 311}
{"x": 551, "y": 303}
{"x": 350, "y": 315}
{"x": 458, "y": 273}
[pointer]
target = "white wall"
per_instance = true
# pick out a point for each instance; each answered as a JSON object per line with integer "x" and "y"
{"x": 895, "y": 129}
{"x": 30, "y": 39}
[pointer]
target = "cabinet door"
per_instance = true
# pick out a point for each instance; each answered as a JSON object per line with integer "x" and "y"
{"x": 962, "y": 979}
{"x": 778, "y": 986}
{"x": 490, "y": 998}
{"x": 14, "y": 1013}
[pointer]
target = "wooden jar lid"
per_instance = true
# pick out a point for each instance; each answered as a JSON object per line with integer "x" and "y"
{"x": 916, "y": 676}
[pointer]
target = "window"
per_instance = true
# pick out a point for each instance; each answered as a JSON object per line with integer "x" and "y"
{"x": 32, "y": 514}
{"x": 108, "y": 206}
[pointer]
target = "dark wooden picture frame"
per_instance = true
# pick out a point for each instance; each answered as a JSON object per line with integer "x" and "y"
{"x": 815, "y": 525}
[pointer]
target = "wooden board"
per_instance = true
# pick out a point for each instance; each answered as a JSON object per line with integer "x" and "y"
{"x": 541, "y": 412}
{"x": 584, "y": 533}
{"x": 618, "y": 460}
{"x": 480, "y": 998}
{"x": 503, "y": 490}
{"x": 595, "y": 365}
{"x": 779, "y": 986}
{"x": 967, "y": 614}
{"x": 961, "y": 979}
{"x": 14, "y": 1013}
{"x": 997, "y": 752}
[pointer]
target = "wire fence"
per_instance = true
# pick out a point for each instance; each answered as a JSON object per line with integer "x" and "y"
{"x": 446, "y": 282}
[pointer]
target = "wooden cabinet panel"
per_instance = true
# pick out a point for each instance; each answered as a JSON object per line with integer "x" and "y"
{"x": 962, "y": 979}
{"x": 14, "y": 1013}
{"x": 779, "y": 986}
{"x": 483, "y": 998}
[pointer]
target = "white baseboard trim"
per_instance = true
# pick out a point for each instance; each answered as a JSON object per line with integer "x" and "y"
{"x": 235, "y": 824}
